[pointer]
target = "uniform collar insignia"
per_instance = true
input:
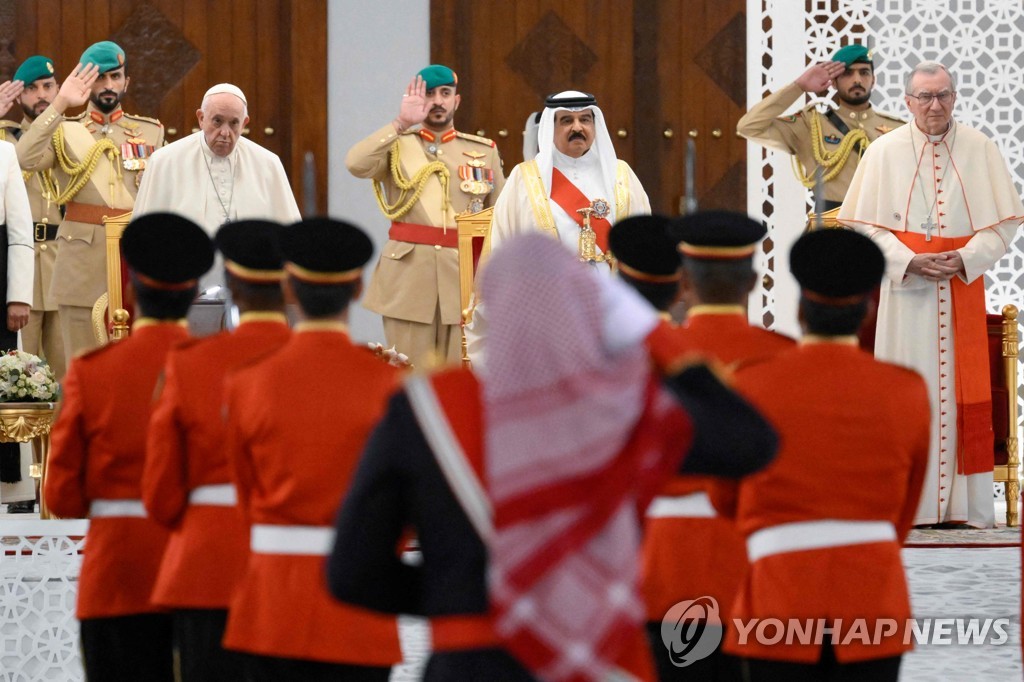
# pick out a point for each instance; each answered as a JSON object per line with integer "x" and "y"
{"x": 101, "y": 119}
{"x": 429, "y": 136}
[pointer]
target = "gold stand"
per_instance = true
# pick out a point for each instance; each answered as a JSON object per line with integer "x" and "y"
{"x": 24, "y": 422}
{"x": 1007, "y": 473}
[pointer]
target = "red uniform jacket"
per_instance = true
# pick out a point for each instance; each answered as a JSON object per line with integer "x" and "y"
{"x": 686, "y": 558}
{"x": 209, "y": 545}
{"x": 98, "y": 450}
{"x": 297, "y": 425}
{"x": 854, "y": 434}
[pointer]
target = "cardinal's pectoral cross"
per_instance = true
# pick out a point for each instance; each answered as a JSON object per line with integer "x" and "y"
{"x": 928, "y": 226}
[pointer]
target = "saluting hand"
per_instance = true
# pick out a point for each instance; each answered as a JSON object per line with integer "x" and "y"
{"x": 9, "y": 92}
{"x": 415, "y": 106}
{"x": 820, "y": 76}
{"x": 76, "y": 88}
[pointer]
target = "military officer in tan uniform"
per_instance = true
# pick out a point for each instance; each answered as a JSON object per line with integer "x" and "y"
{"x": 424, "y": 174}
{"x": 41, "y": 336}
{"x": 97, "y": 159}
{"x": 834, "y": 141}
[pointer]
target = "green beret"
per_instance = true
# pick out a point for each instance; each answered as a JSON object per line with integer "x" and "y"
{"x": 34, "y": 68}
{"x": 852, "y": 54}
{"x": 437, "y": 75}
{"x": 104, "y": 54}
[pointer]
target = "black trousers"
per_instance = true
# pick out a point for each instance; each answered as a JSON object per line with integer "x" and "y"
{"x": 718, "y": 667}
{"x": 10, "y": 453}
{"x": 493, "y": 665}
{"x": 272, "y": 669}
{"x": 201, "y": 658}
{"x": 128, "y": 648}
{"x": 827, "y": 669}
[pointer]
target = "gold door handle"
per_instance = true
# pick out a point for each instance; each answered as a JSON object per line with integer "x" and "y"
{"x": 245, "y": 131}
{"x": 503, "y": 133}
{"x": 622, "y": 133}
{"x": 195, "y": 130}
{"x": 172, "y": 131}
{"x": 268, "y": 131}
{"x": 667, "y": 132}
{"x": 693, "y": 132}
{"x": 716, "y": 133}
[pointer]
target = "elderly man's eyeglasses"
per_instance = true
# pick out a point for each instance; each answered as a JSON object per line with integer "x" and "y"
{"x": 926, "y": 98}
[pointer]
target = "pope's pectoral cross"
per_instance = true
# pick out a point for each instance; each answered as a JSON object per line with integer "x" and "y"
{"x": 928, "y": 226}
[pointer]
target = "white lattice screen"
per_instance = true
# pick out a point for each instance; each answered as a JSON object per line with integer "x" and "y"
{"x": 39, "y": 566}
{"x": 981, "y": 41}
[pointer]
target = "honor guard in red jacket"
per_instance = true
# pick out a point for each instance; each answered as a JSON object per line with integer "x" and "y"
{"x": 824, "y": 523}
{"x": 689, "y": 551}
{"x": 297, "y": 423}
{"x": 99, "y": 446}
{"x": 186, "y": 484}
{"x": 647, "y": 260}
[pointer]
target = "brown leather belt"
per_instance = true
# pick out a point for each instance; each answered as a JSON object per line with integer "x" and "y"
{"x": 44, "y": 232}
{"x": 90, "y": 213}
{"x": 424, "y": 234}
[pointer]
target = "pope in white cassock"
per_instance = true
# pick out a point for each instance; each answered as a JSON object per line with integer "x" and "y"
{"x": 216, "y": 175}
{"x": 575, "y": 167}
{"x": 937, "y": 198}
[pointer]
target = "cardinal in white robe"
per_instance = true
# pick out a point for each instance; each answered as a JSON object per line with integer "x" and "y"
{"x": 937, "y": 198}
{"x": 215, "y": 175}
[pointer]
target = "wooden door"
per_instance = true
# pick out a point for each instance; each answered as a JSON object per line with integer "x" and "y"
{"x": 274, "y": 50}
{"x": 659, "y": 69}
{"x": 510, "y": 55}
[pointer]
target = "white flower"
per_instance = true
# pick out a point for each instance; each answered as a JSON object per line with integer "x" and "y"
{"x": 24, "y": 376}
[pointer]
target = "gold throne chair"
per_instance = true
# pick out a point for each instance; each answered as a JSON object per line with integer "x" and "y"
{"x": 112, "y": 312}
{"x": 1003, "y": 346}
{"x": 474, "y": 228}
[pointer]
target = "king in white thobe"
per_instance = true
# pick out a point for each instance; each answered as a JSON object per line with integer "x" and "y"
{"x": 187, "y": 178}
{"x": 525, "y": 203}
{"x": 915, "y": 193}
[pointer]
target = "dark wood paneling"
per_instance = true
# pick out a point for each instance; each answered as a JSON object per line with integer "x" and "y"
{"x": 534, "y": 47}
{"x": 654, "y": 66}
{"x": 308, "y": 76}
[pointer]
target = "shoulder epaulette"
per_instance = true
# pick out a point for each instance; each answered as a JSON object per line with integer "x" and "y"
{"x": 191, "y": 342}
{"x": 4, "y": 123}
{"x": 147, "y": 119}
{"x": 476, "y": 138}
{"x": 76, "y": 117}
{"x": 889, "y": 116}
{"x": 93, "y": 352}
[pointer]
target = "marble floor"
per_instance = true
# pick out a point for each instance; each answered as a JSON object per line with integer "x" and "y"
{"x": 944, "y": 583}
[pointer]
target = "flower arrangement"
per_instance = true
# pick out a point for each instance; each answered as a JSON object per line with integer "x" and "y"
{"x": 26, "y": 378}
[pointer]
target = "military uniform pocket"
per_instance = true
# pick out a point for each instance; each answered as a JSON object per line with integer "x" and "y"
{"x": 76, "y": 232}
{"x": 397, "y": 250}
